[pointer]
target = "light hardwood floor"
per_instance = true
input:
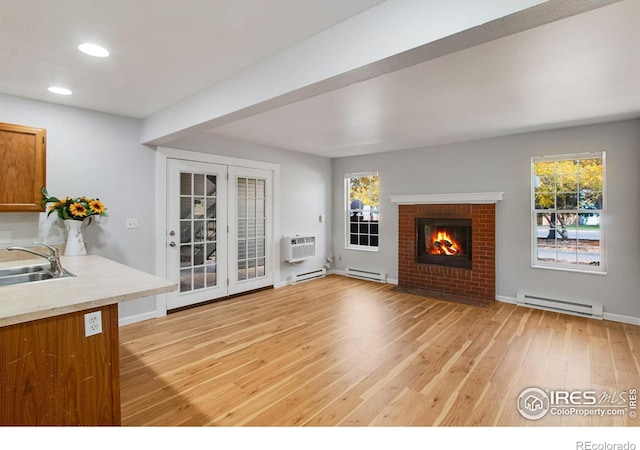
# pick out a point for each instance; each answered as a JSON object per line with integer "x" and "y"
{"x": 339, "y": 351}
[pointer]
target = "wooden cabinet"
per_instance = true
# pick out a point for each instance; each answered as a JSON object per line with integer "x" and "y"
{"x": 51, "y": 374}
{"x": 22, "y": 167}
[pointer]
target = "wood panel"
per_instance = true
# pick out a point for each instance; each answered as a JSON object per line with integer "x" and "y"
{"x": 51, "y": 374}
{"x": 22, "y": 167}
{"x": 344, "y": 352}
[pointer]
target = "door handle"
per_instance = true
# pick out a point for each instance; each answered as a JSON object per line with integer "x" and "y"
{"x": 172, "y": 244}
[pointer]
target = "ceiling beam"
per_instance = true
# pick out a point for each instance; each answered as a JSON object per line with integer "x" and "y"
{"x": 389, "y": 37}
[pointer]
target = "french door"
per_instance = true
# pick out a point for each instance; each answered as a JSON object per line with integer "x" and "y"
{"x": 218, "y": 230}
{"x": 250, "y": 230}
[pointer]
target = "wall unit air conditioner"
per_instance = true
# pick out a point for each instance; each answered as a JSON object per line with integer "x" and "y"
{"x": 298, "y": 248}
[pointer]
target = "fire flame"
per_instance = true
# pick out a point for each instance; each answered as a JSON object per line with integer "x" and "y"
{"x": 443, "y": 244}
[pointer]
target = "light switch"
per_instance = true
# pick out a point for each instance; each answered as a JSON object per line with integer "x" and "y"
{"x": 132, "y": 223}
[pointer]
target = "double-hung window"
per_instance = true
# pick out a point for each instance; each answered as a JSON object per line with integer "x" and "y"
{"x": 568, "y": 212}
{"x": 362, "y": 211}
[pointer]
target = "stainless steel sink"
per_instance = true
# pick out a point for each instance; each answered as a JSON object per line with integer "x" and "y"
{"x": 23, "y": 269}
{"x": 29, "y": 274}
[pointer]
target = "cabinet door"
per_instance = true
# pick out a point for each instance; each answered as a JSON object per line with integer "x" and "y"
{"x": 22, "y": 167}
{"x": 52, "y": 374}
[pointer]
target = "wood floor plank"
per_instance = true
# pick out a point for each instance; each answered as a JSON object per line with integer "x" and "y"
{"x": 621, "y": 352}
{"x": 601, "y": 361}
{"x": 406, "y": 409}
{"x": 496, "y": 396}
{"x": 472, "y": 392}
{"x": 343, "y": 352}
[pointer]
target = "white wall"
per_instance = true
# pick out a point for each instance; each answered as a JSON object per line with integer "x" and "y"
{"x": 305, "y": 191}
{"x": 97, "y": 155}
{"x": 503, "y": 164}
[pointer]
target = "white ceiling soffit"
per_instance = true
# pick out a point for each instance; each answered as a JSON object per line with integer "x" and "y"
{"x": 387, "y": 37}
{"x": 364, "y": 47}
{"x": 579, "y": 70}
{"x": 161, "y": 50}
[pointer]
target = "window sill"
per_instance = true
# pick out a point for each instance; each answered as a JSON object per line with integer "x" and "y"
{"x": 568, "y": 269}
{"x": 362, "y": 248}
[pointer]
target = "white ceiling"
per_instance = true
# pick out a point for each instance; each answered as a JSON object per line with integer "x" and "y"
{"x": 161, "y": 50}
{"x": 578, "y": 70}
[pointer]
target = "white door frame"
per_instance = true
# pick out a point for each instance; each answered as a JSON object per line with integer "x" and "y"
{"x": 164, "y": 153}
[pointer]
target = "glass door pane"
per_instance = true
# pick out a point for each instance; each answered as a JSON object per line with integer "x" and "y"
{"x": 196, "y": 232}
{"x": 198, "y": 226}
{"x": 250, "y": 230}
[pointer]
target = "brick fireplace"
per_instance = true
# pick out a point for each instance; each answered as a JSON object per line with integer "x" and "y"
{"x": 473, "y": 283}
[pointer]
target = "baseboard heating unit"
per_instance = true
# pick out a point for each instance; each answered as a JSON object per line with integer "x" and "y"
{"x": 310, "y": 275}
{"x": 365, "y": 274}
{"x": 561, "y": 306}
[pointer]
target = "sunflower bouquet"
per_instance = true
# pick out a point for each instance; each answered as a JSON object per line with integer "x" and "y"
{"x": 74, "y": 208}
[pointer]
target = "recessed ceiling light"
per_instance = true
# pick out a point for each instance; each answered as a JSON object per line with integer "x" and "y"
{"x": 59, "y": 90}
{"x": 93, "y": 50}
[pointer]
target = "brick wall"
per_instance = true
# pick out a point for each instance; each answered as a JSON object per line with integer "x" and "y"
{"x": 477, "y": 283}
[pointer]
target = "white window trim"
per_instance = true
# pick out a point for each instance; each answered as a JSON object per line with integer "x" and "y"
{"x": 596, "y": 270}
{"x": 347, "y": 244}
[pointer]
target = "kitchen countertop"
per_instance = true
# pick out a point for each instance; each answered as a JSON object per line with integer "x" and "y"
{"x": 98, "y": 282}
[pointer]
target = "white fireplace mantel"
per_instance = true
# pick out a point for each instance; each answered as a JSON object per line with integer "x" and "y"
{"x": 428, "y": 199}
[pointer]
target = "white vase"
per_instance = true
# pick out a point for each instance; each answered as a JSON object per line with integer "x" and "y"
{"x": 75, "y": 238}
{"x": 50, "y": 229}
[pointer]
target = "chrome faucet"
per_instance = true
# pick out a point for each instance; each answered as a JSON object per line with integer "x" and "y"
{"x": 53, "y": 257}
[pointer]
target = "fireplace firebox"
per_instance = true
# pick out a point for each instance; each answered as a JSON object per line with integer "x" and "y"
{"x": 445, "y": 242}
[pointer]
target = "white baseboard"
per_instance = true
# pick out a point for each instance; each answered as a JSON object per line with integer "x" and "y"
{"x": 621, "y": 318}
{"x": 137, "y": 318}
{"x": 607, "y": 316}
{"x": 503, "y": 299}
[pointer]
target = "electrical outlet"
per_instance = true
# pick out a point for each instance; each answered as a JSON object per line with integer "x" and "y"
{"x": 132, "y": 223}
{"x": 92, "y": 323}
